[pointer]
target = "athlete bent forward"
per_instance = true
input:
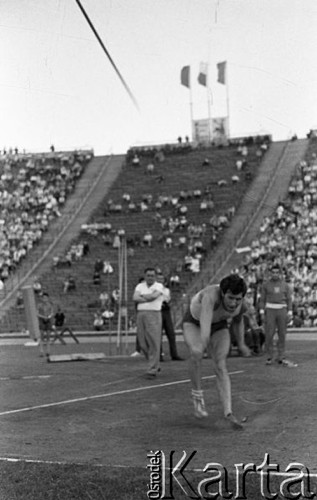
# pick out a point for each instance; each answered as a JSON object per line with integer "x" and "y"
{"x": 207, "y": 320}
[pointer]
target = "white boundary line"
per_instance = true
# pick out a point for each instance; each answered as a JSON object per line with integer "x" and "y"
{"x": 26, "y": 377}
{"x": 116, "y": 466}
{"x": 107, "y": 395}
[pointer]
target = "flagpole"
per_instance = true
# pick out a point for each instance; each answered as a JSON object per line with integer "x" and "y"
{"x": 228, "y": 107}
{"x": 186, "y": 81}
{"x": 209, "y": 103}
{"x": 191, "y": 110}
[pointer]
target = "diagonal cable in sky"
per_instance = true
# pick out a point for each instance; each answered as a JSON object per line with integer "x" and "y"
{"x": 108, "y": 55}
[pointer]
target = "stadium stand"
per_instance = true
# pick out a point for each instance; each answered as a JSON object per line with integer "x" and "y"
{"x": 288, "y": 237}
{"x": 167, "y": 205}
{"x": 186, "y": 217}
{"x": 33, "y": 189}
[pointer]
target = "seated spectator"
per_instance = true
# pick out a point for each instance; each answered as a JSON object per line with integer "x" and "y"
{"x": 130, "y": 252}
{"x": 98, "y": 267}
{"x": 174, "y": 280}
{"x": 107, "y": 240}
{"x": 223, "y": 220}
{"x": 183, "y": 195}
{"x": 199, "y": 247}
{"x": 231, "y": 212}
{"x": 168, "y": 242}
{"x": 107, "y": 314}
{"x": 222, "y": 183}
{"x": 239, "y": 165}
{"x": 159, "y": 156}
{"x": 107, "y": 267}
{"x": 59, "y": 318}
{"x": 115, "y": 297}
{"x": 157, "y": 206}
{"x": 37, "y": 287}
{"x": 195, "y": 264}
{"x": 117, "y": 208}
{"x": 69, "y": 284}
{"x": 116, "y": 241}
{"x": 143, "y": 206}
{"x": 132, "y": 207}
{"x": 259, "y": 154}
{"x": 150, "y": 169}
{"x": 235, "y": 179}
{"x": 182, "y": 241}
{"x": 182, "y": 210}
{"x": 136, "y": 161}
{"x": 148, "y": 239}
{"x": 98, "y": 321}
{"x": 187, "y": 262}
{"x": 183, "y": 222}
{"x": 206, "y": 205}
{"x": 126, "y": 197}
{"x": 68, "y": 259}
{"x": 96, "y": 278}
{"x": 147, "y": 198}
{"x": 104, "y": 300}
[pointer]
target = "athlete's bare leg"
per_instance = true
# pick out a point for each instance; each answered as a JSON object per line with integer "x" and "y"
{"x": 194, "y": 343}
{"x": 220, "y": 346}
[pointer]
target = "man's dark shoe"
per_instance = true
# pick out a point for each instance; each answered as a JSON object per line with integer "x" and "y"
{"x": 178, "y": 358}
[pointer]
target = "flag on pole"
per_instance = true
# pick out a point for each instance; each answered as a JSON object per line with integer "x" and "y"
{"x": 203, "y": 71}
{"x": 222, "y": 72}
{"x": 185, "y": 74}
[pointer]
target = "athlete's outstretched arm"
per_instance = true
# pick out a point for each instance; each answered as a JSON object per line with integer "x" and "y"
{"x": 238, "y": 332}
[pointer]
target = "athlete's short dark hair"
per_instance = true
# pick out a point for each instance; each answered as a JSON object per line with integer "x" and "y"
{"x": 234, "y": 283}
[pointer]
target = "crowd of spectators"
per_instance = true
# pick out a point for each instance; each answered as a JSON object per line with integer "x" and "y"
{"x": 177, "y": 218}
{"x": 175, "y": 214}
{"x": 33, "y": 188}
{"x": 289, "y": 238}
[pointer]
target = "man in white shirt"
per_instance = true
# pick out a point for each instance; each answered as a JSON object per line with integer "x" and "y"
{"x": 148, "y": 296}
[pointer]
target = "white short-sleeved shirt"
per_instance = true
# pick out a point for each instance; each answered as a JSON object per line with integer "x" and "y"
{"x": 154, "y": 305}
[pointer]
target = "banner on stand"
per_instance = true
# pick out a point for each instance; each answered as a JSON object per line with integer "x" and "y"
{"x": 211, "y": 130}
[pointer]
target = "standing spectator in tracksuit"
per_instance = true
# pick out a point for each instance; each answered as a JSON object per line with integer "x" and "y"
{"x": 276, "y": 309}
{"x": 167, "y": 322}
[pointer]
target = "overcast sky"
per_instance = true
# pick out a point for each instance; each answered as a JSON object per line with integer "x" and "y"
{"x": 57, "y": 86}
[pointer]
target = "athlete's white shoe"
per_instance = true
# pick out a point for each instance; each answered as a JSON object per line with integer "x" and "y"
{"x": 199, "y": 404}
{"x": 136, "y": 354}
{"x": 234, "y": 422}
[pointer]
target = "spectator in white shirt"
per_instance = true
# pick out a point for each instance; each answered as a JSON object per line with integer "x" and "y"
{"x": 148, "y": 296}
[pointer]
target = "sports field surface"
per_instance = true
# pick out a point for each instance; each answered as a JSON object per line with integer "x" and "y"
{"x": 84, "y": 429}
